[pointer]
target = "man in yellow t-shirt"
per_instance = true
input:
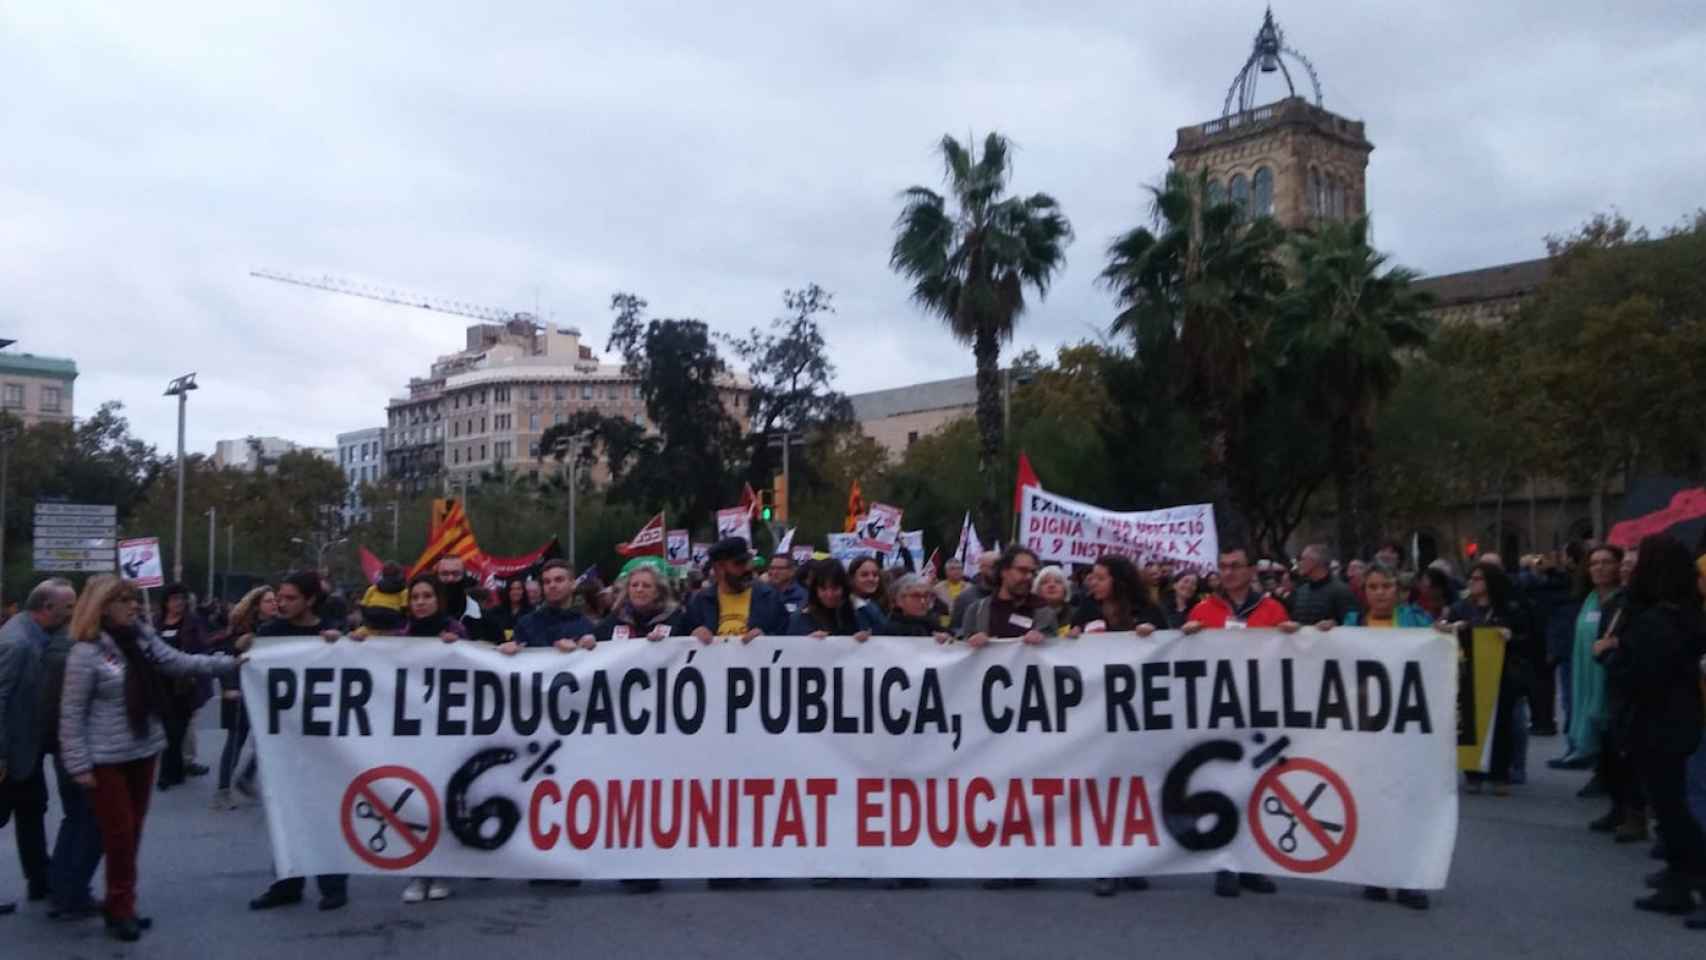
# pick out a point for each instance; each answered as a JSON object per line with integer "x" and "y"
{"x": 734, "y": 604}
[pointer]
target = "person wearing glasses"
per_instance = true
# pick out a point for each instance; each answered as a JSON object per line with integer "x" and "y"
{"x": 1489, "y": 602}
{"x": 1238, "y": 605}
{"x": 1012, "y": 611}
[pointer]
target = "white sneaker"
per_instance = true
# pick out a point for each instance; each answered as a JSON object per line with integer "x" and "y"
{"x": 438, "y": 890}
{"x": 415, "y": 892}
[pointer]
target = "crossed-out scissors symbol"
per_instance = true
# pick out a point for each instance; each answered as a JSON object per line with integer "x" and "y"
{"x": 365, "y": 811}
{"x": 1288, "y": 839}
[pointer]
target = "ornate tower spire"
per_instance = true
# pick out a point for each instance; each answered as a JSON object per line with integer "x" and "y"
{"x": 1268, "y": 55}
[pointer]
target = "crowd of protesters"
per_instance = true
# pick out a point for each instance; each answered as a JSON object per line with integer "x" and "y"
{"x": 1605, "y": 645}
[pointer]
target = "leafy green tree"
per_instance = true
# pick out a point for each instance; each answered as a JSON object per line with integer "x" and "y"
{"x": 1200, "y": 290}
{"x": 793, "y": 391}
{"x": 683, "y": 381}
{"x": 1343, "y": 326}
{"x": 970, "y": 266}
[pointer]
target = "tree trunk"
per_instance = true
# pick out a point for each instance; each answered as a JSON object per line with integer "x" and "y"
{"x": 1345, "y": 484}
{"x": 1366, "y": 493}
{"x": 1231, "y": 528}
{"x": 987, "y": 350}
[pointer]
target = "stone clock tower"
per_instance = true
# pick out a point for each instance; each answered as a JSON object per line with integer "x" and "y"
{"x": 1292, "y": 158}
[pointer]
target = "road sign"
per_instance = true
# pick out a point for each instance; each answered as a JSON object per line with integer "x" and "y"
{"x": 72, "y": 553}
{"x": 94, "y": 512}
{"x": 75, "y": 543}
{"x": 80, "y": 532}
{"x": 75, "y": 566}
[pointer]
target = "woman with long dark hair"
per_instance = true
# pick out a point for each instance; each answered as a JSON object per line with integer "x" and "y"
{"x": 1491, "y": 603}
{"x": 182, "y": 629}
{"x": 1183, "y": 595}
{"x": 512, "y": 606}
{"x": 828, "y": 610}
{"x": 1655, "y": 656}
{"x": 111, "y": 727}
{"x": 257, "y": 607}
{"x": 1116, "y": 600}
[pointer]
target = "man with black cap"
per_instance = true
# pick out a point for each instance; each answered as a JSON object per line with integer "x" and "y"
{"x": 734, "y": 604}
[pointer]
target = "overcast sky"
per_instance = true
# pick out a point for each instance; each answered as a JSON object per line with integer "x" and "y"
{"x": 707, "y": 156}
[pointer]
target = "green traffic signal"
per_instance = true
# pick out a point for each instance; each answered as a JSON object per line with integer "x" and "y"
{"x": 767, "y": 514}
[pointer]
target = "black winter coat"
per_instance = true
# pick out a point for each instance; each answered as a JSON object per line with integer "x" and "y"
{"x": 1657, "y": 662}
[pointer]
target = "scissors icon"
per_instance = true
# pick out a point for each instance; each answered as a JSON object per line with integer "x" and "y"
{"x": 365, "y": 811}
{"x": 1288, "y": 839}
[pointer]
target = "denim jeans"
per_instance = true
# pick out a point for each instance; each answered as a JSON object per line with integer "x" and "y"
{"x": 77, "y": 849}
{"x": 1697, "y": 784}
{"x": 1519, "y": 720}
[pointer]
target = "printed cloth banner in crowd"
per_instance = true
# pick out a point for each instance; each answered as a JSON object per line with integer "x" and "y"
{"x": 735, "y": 522}
{"x": 1327, "y": 755}
{"x": 1480, "y": 668}
{"x": 802, "y": 553}
{"x": 679, "y": 547}
{"x": 701, "y": 554}
{"x": 139, "y": 560}
{"x": 785, "y": 544}
{"x": 1061, "y": 530}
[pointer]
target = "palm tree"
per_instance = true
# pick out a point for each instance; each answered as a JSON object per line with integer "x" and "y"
{"x": 1345, "y": 323}
{"x": 970, "y": 266}
{"x": 1197, "y": 294}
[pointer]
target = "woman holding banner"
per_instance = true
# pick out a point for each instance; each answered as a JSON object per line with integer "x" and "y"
{"x": 1053, "y": 589}
{"x": 913, "y": 614}
{"x": 110, "y": 725}
{"x": 1117, "y": 601}
{"x": 646, "y": 608}
{"x": 829, "y": 605}
{"x": 1489, "y": 603}
{"x": 870, "y": 590}
{"x": 1181, "y": 598}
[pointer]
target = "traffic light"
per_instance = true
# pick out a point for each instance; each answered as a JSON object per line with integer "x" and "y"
{"x": 779, "y": 496}
{"x": 766, "y": 508}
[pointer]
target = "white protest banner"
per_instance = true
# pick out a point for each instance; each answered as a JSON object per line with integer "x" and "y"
{"x": 847, "y": 548}
{"x": 786, "y": 543}
{"x": 881, "y": 528}
{"x": 1066, "y": 531}
{"x": 1326, "y": 755}
{"x": 970, "y": 547}
{"x": 701, "y": 554}
{"x": 913, "y": 541}
{"x": 678, "y": 547}
{"x": 139, "y": 560}
{"x": 735, "y": 522}
{"x": 802, "y": 553}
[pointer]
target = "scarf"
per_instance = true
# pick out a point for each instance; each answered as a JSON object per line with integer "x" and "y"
{"x": 430, "y": 627}
{"x": 144, "y": 689}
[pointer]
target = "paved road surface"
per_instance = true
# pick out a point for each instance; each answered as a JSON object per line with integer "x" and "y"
{"x": 1528, "y": 881}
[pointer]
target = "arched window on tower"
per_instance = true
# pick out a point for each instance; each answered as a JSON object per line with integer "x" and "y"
{"x": 1262, "y": 193}
{"x": 1338, "y": 199}
{"x": 1313, "y": 200}
{"x": 1241, "y": 196}
{"x": 1329, "y": 186}
{"x": 1216, "y": 193}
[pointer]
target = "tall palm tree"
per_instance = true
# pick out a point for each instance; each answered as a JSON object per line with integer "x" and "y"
{"x": 970, "y": 266}
{"x": 1344, "y": 323}
{"x": 1198, "y": 292}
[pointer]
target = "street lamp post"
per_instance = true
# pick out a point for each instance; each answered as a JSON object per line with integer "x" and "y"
{"x": 180, "y": 388}
{"x": 565, "y": 446}
{"x": 212, "y": 546}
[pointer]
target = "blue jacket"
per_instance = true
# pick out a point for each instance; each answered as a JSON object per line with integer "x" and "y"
{"x": 870, "y": 617}
{"x": 767, "y": 612}
{"x": 793, "y": 597}
{"x": 22, "y": 738}
{"x": 547, "y": 624}
{"x": 1407, "y": 615}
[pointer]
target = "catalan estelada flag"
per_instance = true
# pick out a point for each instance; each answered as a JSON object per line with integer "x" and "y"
{"x": 855, "y": 509}
{"x": 449, "y": 536}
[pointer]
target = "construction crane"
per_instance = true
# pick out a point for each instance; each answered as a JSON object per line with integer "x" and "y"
{"x": 387, "y": 295}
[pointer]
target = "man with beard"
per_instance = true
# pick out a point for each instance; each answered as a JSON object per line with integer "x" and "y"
{"x": 459, "y": 601}
{"x": 1011, "y": 611}
{"x": 734, "y": 604}
{"x": 981, "y": 586}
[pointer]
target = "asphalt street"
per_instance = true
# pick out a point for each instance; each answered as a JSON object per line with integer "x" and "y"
{"x": 1528, "y": 880}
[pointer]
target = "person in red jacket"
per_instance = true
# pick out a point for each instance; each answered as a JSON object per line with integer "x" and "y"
{"x": 1238, "y": 605}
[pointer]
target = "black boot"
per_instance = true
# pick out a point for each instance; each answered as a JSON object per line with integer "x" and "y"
{"x": 275, "y": 897}
{"x": 1104, "y": 887}
{"x": 127, "y": 930}
{"x": 1226, "y": 884}
{"x": 1607, "y": 823}
{"x": 1672, "y": 898}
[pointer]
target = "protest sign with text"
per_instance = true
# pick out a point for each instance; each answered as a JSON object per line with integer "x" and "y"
{"x": 1062, "y": 530}
{"x": 1329, "y": 755}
